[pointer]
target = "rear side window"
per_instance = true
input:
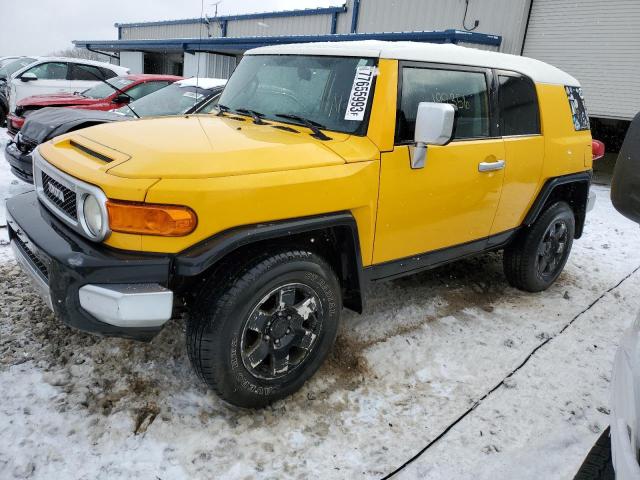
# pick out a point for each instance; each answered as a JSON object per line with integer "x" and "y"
{"x": 86, "y": 73}
{"x": 467, "y": 91}
{"x": 578, "y": 108}
{"x": 519, "y": 113}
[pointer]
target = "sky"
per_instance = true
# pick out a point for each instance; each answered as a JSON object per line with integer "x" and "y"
{"x": 39, "y": 27}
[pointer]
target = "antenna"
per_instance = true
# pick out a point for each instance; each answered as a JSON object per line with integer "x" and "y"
{"x": 215, "y": 4}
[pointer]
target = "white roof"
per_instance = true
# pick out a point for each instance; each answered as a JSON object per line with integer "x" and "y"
{"x": 538, "y": 71}
{"x": 115, "y": 68}
{"x": 202, "y": 82}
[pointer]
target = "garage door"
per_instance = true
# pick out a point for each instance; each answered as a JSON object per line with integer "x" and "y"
{"x": 596, "y": 41}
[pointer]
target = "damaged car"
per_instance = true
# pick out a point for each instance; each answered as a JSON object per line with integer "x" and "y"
{"x": 182, "y": 97}
{"x": 109, "y": 95}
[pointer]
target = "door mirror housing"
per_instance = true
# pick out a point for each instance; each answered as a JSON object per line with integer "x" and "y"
{"x": 121, "y": 98}
{"x": 434, "y": 126}
{"x": 625, "y": 185}
{"x": 28, "y": 77}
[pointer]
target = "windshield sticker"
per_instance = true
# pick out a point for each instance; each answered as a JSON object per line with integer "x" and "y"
{"x": 360, "y": 93}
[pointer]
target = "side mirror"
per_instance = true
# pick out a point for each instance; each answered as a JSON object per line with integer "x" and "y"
{"x": 28, "y": 77}
{"x": 625, "y": 186}
{"x": 121, "y": 98}
{"x": 434, "y": 126}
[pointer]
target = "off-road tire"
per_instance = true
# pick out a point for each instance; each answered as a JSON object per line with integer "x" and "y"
{"x": 217, "y": 324}
{"x": 521, "y": 256}
{"x": 598, "y": 465}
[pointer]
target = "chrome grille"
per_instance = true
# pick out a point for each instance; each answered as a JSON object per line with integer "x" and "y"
{"x": 33, "y": 258}
{"x": 62, "y": 196}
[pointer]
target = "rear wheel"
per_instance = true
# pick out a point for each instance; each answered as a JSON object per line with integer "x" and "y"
{"x": 259, "y": 335}
{"x": 538, "y": 255}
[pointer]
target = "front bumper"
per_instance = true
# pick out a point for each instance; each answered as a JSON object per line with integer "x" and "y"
{"x": 89, "y": 286}
{"x": 21, "y": 163}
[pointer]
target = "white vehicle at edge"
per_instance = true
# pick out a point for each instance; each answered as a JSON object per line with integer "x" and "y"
{"x": 58, "y": 75}
{"x": 625, "y": 382}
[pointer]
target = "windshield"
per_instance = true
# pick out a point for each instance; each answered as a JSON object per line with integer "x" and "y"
{"x": 332, "y": 92}
{"x": 103, "y": 90}
{"x": 171, "y": 100}
{"x": 12, "y": 67}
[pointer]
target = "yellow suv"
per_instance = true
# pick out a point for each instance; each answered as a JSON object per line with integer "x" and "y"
{"x": 325, "y": 167}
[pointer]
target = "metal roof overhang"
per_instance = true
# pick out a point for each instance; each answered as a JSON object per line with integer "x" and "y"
{"x": 237, "y": 45}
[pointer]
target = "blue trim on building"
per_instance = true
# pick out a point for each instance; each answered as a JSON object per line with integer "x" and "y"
{"x": 246, "y": 16}
{"x": 334, "y": 23}
{"x": 223, "y": 28}
{"x": 354, "y": 16}
{"x": 236, "y": 44}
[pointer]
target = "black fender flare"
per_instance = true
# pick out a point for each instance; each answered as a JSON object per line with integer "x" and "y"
{"x": 201, "y": 257}
{"x": 573, "y": 188}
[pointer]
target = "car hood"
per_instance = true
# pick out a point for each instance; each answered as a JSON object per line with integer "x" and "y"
{"x": 50, "y": 122}
{"x": 207, "y": 146}
{"x": 58, "y": 99}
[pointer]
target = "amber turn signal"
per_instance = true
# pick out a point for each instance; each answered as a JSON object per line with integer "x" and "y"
{"x": 151, "y": 219}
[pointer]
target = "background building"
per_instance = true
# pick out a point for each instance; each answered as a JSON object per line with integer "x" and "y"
{"x": 596, "y": 41}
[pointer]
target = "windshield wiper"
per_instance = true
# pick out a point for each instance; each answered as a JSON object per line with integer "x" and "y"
{"x": 116, "y": 89}
{"x": 222, "y": 109}
{"x": 310, "y": 124}
{"x": 257, "y": 116}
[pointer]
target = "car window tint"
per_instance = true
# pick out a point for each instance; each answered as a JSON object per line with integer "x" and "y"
{"x": 86, "y": 73}
{"x": 50, "y": 71}
{"x": 519, "y": 114}
{"x": 467, "y": 91}
{"x": 143, "y": 89}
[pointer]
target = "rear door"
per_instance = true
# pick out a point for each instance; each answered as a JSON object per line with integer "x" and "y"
{"x": 524, "y": 148}
{"x": 82, "y": 77}
{"x": 51, "y": 77}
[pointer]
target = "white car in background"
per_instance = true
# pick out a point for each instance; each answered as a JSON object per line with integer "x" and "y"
{"x": 616, "y": 454}
{"x": 58, "y": 75}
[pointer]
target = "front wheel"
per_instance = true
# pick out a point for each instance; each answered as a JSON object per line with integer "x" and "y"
{"x": 259, "y": 335}
{"x": 538, "y": 255}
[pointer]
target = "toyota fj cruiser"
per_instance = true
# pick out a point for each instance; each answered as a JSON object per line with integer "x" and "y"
{"x": 327, "y": 166}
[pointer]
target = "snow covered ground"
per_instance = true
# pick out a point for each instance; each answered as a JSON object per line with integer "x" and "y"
{"x": 427, "y": 349}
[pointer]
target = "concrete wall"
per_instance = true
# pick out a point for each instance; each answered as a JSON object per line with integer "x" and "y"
{"x": 134, "y": 61}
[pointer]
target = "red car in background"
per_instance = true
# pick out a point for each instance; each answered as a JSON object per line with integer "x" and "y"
{"x": 100, "y": 97}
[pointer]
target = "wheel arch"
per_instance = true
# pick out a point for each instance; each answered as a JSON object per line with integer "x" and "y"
{"x": 333, "y": 236}
{"x": 573, "y": 189}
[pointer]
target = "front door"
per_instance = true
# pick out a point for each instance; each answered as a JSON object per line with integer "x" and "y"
{"x": 454, "y": 198}
{"x": 51, "y": 77}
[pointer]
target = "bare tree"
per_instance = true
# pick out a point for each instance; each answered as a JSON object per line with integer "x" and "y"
{"x": 82, "y": 53}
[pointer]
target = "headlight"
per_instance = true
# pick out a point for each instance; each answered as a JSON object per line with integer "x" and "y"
{"x": 92, "y": 214}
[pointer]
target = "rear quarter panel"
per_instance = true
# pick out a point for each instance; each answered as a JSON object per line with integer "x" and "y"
{"x": 566, "y": 150}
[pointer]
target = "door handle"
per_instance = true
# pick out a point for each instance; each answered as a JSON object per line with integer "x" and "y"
{"x": 491, "y": 166}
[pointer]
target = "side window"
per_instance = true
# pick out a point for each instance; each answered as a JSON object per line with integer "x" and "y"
{"x": 578, "y": 108}
{"x": 144, "y": 89}
{"x": 519, "y": 114}
{"x": 85, "y": 73}
{"x": 467, "y": 91}
{"x": 50, "y": 71}
{"x": 108, "y": 73}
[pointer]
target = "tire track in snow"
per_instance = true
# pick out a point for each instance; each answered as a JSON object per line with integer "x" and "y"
{"x": 478, "y": 402}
